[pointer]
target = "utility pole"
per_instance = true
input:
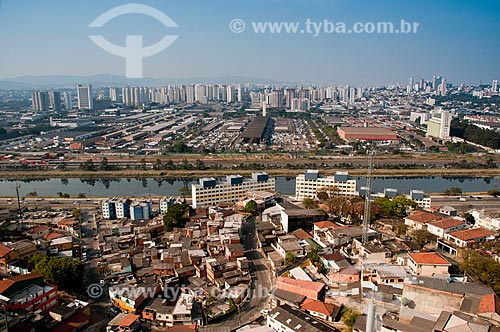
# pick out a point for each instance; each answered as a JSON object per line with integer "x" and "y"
{"x": 18, "y": 199}
{"x": 368, "y": 206}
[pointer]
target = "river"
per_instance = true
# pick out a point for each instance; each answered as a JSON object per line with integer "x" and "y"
{"x": 171, "y": 186}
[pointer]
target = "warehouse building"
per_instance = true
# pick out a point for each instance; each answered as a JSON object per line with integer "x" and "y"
{"x": 351, "y": 134}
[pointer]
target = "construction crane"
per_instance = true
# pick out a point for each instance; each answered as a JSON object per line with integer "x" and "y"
{"x": 368, "y": 206}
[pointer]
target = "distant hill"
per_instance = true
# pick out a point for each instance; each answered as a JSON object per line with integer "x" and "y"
{"x": 66, "y": 81}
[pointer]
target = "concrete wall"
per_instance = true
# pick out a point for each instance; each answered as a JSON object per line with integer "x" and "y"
{"x": 431, "y": 301}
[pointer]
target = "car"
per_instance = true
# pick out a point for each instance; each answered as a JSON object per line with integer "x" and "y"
{"x": 264, "y": 312}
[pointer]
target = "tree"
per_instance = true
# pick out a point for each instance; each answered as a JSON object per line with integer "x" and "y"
{"x": 105, "y": 166}
{"x": 76, "y": 214}
{"x": 469, "y": 218}
{"x": 177, "y": 215}
{"x": 158, "y": 164}
{"x": 453, "y": 191}
{"x": 484, "y": 268}
{"x": 493, "y": 192}
{"x": 400, "y": 229}
{"x": 64, "y": 272}
{"x": 184, "y": 191}
{"x": 88, "y": 165}
{"x": 322, "y": 195}
{"x": 250, "y": 207}
{"x": 422, "y": 237}
{"x": 395, "y": 207}
{"x": 289, "y": 258}
{"x": 82, "y": 195}
{"x": 310, "y": 203}
{"x": 231, "y": 304}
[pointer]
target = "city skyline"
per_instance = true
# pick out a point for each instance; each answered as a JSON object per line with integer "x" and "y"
{"x": 206, "y": 47}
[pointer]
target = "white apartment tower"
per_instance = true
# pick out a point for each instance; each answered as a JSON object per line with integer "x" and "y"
{"x": 85, "y": 100}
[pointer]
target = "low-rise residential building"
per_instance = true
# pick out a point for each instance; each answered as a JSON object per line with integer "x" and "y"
{"x": 124, "y": 323}
{"x": 486, "y": 220}
{"x": 128, "y": 298}
{"x": 25, "y": 249}
{"x": 427, "y": 264}
{"x": 290, "y": 247}
{"x": 423, "y": 201}
{"x": 28, "y": 292}
{"x": 290, "y": 217}
{"x": 445, "y": 226}
{"x": 325, "y": 311}
{"x": 287, "y": 319}
{"x": 308, "y": 185}
{"x": 463, "y": 238}
{"x": 310, "y": 289}
{"x": 419, "y": 219}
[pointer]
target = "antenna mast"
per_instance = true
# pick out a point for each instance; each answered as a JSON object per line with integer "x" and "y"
{"x": 368, "y": 206}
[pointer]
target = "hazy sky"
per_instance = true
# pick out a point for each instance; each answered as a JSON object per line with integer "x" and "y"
{"x": 457, "y": 39}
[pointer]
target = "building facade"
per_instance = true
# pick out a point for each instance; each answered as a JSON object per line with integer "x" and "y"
{"x": 310, "y": 183}
{"x": 209, "y": 191}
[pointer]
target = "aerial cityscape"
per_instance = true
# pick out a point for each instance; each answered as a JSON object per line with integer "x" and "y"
{"x": 256, "y": 167}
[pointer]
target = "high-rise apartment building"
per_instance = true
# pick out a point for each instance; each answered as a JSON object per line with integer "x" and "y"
{"x": 85, "y": 99}
{"x": 40, "y": 101}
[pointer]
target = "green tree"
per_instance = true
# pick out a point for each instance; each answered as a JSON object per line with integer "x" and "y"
{"x": 493, "y": 192}
{"x": 469, "y": 218}
{"x": 250, "y": 207}
{"x": 310, "y": 203}
{"x": 184, "y": 191}
{"x": 64, "y": 272}
{"x": 82, "y": 195}
{"x": 88, "y": 165}
{"x": 105, "y": 166}
{"x": 483, "y": 268}
{"x": 77, "y": 213}
{"x": 158, "y": 164}
{"x": 289, "y": 258}
{"x": 231, "y": 304}
{"x": 177, "y": 215}
{"x": 453, "y": 191}
{"x": 395, "y": 207}
{"x": 322, "y": 196}
{"x": 422, "y": 237}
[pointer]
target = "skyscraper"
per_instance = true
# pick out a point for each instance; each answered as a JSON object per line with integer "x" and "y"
{"x": 55, "y": 100}
{"x": 494, "y": 86}
{"x": 85, "y": 100}
{"x": 277, "y": 98}
{"x": 40, "y": 101}
{"x": 113, "y": 94}
{"x": 68, "y": 100}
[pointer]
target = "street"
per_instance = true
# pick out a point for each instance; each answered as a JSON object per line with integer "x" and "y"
{"x": 261, "y": 285}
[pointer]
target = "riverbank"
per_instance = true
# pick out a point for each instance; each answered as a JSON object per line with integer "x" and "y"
{"x": 46, "y": 174}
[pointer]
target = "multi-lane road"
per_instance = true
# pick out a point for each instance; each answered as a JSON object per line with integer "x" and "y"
{"x": 466, "y": 202}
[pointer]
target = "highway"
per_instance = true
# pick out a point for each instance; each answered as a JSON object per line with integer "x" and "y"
{"x": 467, "y": 202}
